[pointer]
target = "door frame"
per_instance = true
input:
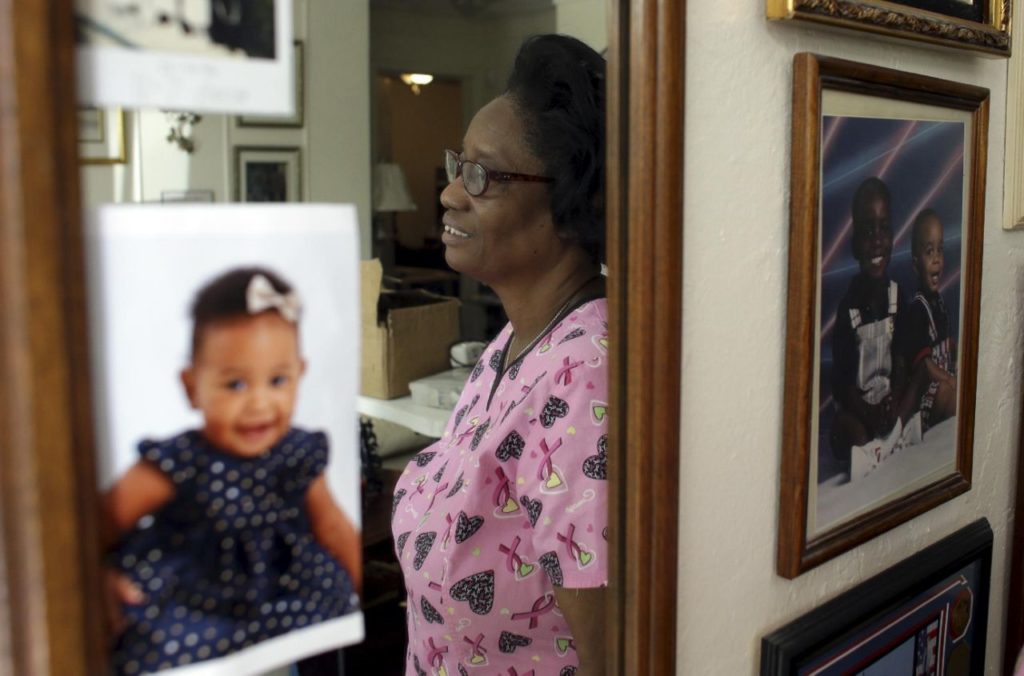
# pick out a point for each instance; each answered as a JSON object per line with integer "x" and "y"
{"x": 49, "y": 542}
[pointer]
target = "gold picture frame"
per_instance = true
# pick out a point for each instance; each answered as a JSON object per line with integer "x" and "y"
{"x": 978, "y": 25}
{"x": 101, "y": 136}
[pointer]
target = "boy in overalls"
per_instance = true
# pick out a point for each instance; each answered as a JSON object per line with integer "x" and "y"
{"x": 867, "y": 374}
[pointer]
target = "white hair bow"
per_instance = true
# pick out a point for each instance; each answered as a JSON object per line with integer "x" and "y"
{"x": 260, "y": 295}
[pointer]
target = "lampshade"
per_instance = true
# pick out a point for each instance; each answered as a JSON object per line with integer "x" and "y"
{"x": 390, "y": 191}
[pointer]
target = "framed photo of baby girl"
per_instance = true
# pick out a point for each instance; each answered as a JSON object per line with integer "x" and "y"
{"x": 225, "y": 365}
{"x": 886, "y": 223}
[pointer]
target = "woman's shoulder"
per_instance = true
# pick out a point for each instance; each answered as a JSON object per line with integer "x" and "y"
{"x": 584, "y": 331}
{"x": 593, "y": 310}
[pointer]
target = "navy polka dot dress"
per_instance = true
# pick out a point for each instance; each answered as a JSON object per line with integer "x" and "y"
{"x": 231, "y": 560}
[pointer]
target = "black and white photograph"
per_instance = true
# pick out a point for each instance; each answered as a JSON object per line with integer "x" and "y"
{"x": 231, "y": 56}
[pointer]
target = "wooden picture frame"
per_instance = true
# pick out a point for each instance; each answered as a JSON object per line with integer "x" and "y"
{"x": 873, "y": 436}
{"x": 1013, "y": 639}
{"x": 981, "y": 26}
{"x": 296, "y": 120}
{"x": 49, "y": 541}
{"x": 1013, "y": 169}
{"x": 101, "y": 136}
{"x": 187, "y": 195}
{"x": 928, "y": 612}
{"x": 268, "y": 174}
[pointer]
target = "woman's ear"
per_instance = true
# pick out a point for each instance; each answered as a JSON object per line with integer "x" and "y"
{"x": 188, "y": 381}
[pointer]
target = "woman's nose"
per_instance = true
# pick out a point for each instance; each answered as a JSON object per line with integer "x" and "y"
{"x": 454, "y": 195}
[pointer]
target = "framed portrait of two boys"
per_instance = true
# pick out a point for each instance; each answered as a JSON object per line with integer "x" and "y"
{"x": 887, "y": 215}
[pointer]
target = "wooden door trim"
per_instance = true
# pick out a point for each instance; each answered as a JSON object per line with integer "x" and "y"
{"x": 645, "y": 201}
{"x": 48, "y": 539}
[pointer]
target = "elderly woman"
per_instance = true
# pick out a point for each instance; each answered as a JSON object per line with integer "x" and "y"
{"x": 500, "y": 526}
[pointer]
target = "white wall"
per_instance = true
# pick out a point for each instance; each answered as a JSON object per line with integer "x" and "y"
{"x": 738, "y": 89}
{"x": 338, "y": 148}
{"x": 476, "y": 51}
{"x": 583, "y": 19}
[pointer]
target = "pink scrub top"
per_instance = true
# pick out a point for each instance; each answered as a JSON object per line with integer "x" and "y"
{"x": 510, "y": 503}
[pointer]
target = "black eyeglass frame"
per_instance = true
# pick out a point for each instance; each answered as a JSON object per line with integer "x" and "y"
{"x": 489, "y": 174}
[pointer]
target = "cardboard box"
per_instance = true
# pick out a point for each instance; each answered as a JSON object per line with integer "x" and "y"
{"x": 406, "y": 334}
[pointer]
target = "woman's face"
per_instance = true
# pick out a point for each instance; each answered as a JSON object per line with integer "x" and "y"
{"x": 506, "y": 232}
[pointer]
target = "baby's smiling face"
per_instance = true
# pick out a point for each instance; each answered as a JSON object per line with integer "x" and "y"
{"x": 929, "y": 259}
{"x": 244, "y": 379}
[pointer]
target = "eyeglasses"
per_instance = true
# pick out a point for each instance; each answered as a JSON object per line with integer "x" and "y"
{"x": 476, "y": 177}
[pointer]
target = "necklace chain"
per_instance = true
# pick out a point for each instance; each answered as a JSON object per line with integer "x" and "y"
{"x": 547, "y": 327}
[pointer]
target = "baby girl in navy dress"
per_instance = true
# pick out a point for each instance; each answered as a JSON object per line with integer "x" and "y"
{"x": 228, "y": 535}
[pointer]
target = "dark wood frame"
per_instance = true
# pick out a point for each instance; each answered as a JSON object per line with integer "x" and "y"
{"x": 49, "y": 545}
{"x": 872, "y": 600}
{"x": 990, "y": 36}
{"x": 645, "y": 249}
{"x": 1013, "y": 641}
{"x": 811, "y": 74}
{"x": 237, "y": 173}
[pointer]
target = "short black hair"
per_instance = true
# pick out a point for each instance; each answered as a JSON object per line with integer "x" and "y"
{"x": 558, "y": 85}
{"x": 922, "y": 217}
{"x": 869, "y": 190}
{"x": 224, "y": 297}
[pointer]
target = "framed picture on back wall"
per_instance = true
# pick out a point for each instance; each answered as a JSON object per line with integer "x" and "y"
{"x": 887, "y": 211}
{"x": 101, "y": 136}
{"x": 268, "y": 174}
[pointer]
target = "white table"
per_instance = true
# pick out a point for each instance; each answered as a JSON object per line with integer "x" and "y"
{"x": 425, "y": 420}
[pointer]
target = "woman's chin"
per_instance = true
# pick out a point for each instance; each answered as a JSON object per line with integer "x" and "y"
{"x": 455, "y": 259}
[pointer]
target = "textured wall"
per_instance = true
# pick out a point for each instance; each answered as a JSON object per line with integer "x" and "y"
{"x": 738, "y": 89}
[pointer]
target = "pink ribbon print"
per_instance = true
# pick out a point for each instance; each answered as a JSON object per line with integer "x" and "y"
{"x": 544, "y": 469}
{"x": 435, "y": 655}
{"x": 503, "y": 492}
{"x": 512, "y": 560}
{"x": 478, "y": 650}
{"x": 563, "y": 376}
{"x": 544, "y": 604}
{"x": 448, "y": 529}
{"x": 573, "y": 547}
{"x": 437, "y": 491}
{"x": 467, "y": 433}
